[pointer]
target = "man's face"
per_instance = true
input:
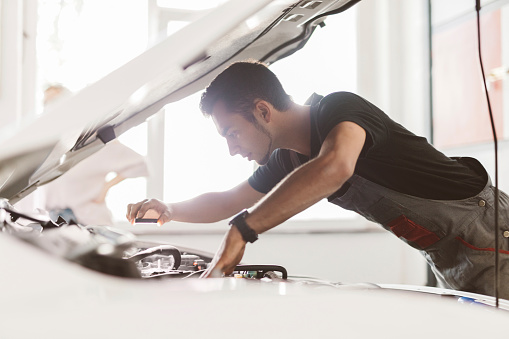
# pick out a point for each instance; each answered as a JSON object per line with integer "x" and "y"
{"x": 249, "y": 139}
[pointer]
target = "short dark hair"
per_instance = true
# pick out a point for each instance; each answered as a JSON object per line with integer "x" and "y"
{"x": 239, "y": 85}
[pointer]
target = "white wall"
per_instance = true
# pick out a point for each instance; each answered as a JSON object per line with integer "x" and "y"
{"x": 18, "y": 67}
{"x": 393, "y": 64}
{"x": 17, "y": 60}
{"x": 10, "y": 62}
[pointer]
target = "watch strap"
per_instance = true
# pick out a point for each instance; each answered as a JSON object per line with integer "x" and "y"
{"x": 239, "y": 221}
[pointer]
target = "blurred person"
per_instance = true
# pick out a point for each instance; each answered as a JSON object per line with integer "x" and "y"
{"x": 54, "y": 93}
{"x": 80, "y": 193}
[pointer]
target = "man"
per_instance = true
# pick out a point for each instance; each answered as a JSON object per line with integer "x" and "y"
{"x": 347, "y": 150}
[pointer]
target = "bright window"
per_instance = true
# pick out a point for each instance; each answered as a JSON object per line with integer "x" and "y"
{"x": 81, "y": 41}
{"x": 197, "y": 158}
{"x": 78, "y": 43}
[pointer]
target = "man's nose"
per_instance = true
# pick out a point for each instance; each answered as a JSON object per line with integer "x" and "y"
{"x": 233, "y": 148}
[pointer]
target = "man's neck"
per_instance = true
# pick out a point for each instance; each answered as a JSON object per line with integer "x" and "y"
{"x": 295, "y": 129}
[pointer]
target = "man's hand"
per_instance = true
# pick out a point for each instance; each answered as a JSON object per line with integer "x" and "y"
{"x": 157, "y": 208}
{"x": 228, "y": 256}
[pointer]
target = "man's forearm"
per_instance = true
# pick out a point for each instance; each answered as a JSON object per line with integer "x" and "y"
{"x": 301, "y": 189}
{"x": 215, "y": 206}
{"x": 313, "y": 181}
{"x": 205, "y": 208}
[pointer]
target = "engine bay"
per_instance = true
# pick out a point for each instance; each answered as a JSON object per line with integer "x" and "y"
{"x": 115, "y": 251}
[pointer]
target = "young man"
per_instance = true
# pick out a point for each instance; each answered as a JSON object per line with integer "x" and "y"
{"x": 347, "y": 150}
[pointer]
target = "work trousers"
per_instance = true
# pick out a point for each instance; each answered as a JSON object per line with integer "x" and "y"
{"x": 457, "y": 237}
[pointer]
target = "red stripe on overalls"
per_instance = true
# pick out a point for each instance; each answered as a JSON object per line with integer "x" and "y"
{"x": 489, "y": 249}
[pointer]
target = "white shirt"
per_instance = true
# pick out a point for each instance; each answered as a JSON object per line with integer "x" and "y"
{"x": 80, "y": 187}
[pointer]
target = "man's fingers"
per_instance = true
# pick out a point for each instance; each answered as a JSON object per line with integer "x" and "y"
{"x": 229, "y": 254}
{"x": 149, "y": 208}
{"x": 143, "y": 207}
{"x": 164, "y": 218}
{"x": 212, "y": 272}
{"x": 218, "y": 270}
{"x": 128, "y": 213}
{"x": 216, "y": 273}
{"x": 133, "y": 210}
{"x": 229, "y": 270}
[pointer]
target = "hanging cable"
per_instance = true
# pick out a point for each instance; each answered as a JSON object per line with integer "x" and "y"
{"x": 495, "y": 140}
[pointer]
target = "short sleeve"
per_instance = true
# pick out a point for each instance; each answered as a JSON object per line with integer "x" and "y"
{"x": 343, "y": 106}
{"x": 269, "y": 175}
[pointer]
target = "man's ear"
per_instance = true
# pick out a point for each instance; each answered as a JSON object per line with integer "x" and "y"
{"x": 263, "y": 110}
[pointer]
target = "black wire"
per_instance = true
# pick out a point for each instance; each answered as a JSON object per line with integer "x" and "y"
{"x": 495, "y": 140}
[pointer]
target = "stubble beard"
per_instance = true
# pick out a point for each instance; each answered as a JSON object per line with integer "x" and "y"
{"x": 265, "y": 159}
{"x": 268, "y": 152}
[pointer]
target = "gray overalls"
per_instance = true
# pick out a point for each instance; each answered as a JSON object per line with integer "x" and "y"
{"x": 455, "y": 236}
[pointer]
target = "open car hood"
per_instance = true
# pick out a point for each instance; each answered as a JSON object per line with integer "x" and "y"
{"x": 42, "y": 149}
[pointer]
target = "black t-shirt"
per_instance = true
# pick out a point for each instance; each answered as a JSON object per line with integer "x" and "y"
{"x": 392, "y": 156}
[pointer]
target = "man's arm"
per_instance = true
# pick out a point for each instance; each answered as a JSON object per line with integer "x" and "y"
{"x": 315, "y": 180}
{"x": 205, "y": 208}
{"x": 305, "y": 186}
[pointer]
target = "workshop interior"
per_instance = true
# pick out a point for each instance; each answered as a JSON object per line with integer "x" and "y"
{"x": 128, "y": 75}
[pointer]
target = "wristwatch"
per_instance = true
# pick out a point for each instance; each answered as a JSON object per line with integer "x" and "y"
{"x": 239, "y": 221}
